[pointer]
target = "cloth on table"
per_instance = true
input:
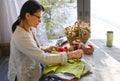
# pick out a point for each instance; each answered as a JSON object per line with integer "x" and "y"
{"x": 75, "y": 67}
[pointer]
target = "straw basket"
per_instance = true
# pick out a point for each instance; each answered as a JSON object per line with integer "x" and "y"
{"x": 79, "y": 32}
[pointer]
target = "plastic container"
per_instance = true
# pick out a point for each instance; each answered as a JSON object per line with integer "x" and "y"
{"x": 109, "y": 41}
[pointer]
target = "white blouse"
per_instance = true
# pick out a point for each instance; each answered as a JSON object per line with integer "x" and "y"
{"x": 26, "y": 56}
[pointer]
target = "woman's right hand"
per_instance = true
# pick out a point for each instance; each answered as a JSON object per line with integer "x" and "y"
{"x": 75, "y": 54}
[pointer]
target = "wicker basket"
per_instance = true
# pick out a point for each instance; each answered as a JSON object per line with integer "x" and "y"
{"x": 79, "y": 32}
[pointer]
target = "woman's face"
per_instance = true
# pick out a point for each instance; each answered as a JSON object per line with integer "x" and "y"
{"x": 35, "y": 19}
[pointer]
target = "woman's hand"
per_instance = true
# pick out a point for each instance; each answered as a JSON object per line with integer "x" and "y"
{"x": 75, "y": 54}
{"x": 51, "y": 48}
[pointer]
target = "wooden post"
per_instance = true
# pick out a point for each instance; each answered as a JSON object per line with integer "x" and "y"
{"x": 83, "y": 10}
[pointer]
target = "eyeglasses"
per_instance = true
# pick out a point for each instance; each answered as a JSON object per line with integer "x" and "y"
{"x": 36, "y": 16}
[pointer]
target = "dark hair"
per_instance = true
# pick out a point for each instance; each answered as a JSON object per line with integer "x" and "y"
{"x": 30, "y": 6}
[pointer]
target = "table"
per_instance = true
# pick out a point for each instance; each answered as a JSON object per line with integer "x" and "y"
{"x": 104, "y": 66}
{"x": 105, "y": 62}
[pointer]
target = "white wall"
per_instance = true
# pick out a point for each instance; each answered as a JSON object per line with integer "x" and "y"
{"x": 9, "y": 11}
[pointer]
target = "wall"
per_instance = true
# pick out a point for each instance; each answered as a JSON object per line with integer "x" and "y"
{"x": 4, "y": 49}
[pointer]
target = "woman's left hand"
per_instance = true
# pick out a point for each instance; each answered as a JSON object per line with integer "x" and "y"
{"x": 51, "y": 48}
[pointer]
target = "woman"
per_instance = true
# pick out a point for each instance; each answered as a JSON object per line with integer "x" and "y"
{"x": 26, "y": 54}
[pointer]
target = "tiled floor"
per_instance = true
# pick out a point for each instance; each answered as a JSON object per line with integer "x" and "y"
{"x": 3, "y": 68}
